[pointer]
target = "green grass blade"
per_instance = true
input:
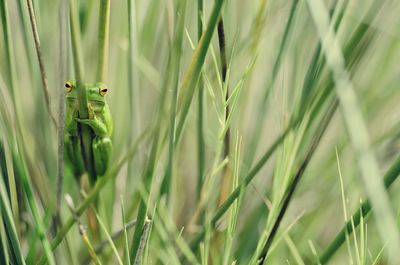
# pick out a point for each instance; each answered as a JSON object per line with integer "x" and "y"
{"x": 9, "y": 224}
{"x": 193, "y": 73}
{"x": 201, "y": 156}
{"x": 296, "y": 179}
{"x": 390, "y": 176}
{"x": 357, "y": 129}
{"x": 109, "y": 239}
{"x": 126, "y": 246}
{"x": 103, "y": 41}
{"x": 174, "y": 69}
{"x": 40, "y": 226}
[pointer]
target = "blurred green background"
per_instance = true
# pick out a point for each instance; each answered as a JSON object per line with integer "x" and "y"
{"x": 272, "y": 50}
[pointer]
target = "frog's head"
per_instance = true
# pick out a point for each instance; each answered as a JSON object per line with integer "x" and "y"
{"x": 95, "y": 92}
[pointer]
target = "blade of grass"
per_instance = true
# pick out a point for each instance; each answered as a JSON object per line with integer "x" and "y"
{"x": 147, "y": 181}
{"x": 40, "y": 226}
{"x": 234, "y": 213}
{"x": 344, "y": 206}
{"x": 126, "y": 247}
{"x": 175, "y": 69}
{"x": 40, "y": 60}
{"x": 317, "y": 63}
{"x": 102, "y": 76}
{"x": 116, "y": 235}
{"x": 257, "y": 167}
{"x": 4, "y": 256}
{"x": 193, "y": 73}
{"x": 296, "y": 179}
{"x": 152, "y": 160}
{"x": 244, "y": 183}
{"x": 143, "y": 241}
{"x": 63, "y": 11}
{"x": 109, "y": 239}
{"x": 224, "y": 67}
{"x": 103, "y": 40}
{"x": 133, "y": 86}
{"x": 365, "y": 208}
{"x": 201, "y": 155}
{"x": 7, "y": 219}
{"x": 356, "y": 129}
{"x": 148, "y": 172}
{"x": 12, "y": 185}
{"x": 82, "y": 230}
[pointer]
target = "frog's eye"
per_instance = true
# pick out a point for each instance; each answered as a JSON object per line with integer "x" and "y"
{"x": 102, "y": 91}
{"x": 68, "y": 87}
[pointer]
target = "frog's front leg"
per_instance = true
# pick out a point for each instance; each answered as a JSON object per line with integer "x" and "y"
{"x": 98, "y": 127}
{"x": 102, "y": 148}
{"x": 73, "y": 154}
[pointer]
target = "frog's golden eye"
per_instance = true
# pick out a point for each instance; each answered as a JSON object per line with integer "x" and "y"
{"x": 68, "y": 87}
{"x": 102, "y": 91}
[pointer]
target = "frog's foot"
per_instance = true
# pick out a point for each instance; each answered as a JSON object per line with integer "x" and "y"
{"x": 102, "y": 148}
{"x": 97, "y": 126}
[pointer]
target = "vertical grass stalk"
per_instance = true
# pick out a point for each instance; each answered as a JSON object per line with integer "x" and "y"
{"x": 133, "y": 83}
{"x": 192, "y": 75}
{"x": 226, "y": 179}
{"x": 40, "y": 60}
{"x": 174, "y": 69}
{"x": 200, "y": 105}
{"x": 357, "y": 129}
{"x": 103, "y": 40}
{"x": 27, "y": 185}
{"x": 8, "y": 221}
{"x": 86, "y": 134}
{"x": 63, "y": 11}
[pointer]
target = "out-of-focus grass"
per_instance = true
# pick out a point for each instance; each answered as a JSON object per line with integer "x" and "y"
{"x": 172, "y": 117}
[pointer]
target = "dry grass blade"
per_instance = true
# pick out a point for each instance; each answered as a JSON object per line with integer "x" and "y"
{"x": 40, "y": 59}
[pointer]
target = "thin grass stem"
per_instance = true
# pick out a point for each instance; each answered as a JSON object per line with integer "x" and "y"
{"x": 365, "y": 208}
{"x": 200, "y": 106}
{"x": 82, "y": 230}
{"x": 193, "y": 73}
{"x": 40, "y": 60}
{"x": 103, "y": 40}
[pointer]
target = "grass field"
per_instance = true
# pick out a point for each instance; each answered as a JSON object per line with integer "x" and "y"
{"x": 245, "y": 132}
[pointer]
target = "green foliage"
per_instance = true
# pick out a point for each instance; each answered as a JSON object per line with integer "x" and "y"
{"x": 243, "y": 132}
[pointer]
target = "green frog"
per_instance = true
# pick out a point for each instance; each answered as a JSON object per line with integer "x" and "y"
{"x": 100, "y": 122}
